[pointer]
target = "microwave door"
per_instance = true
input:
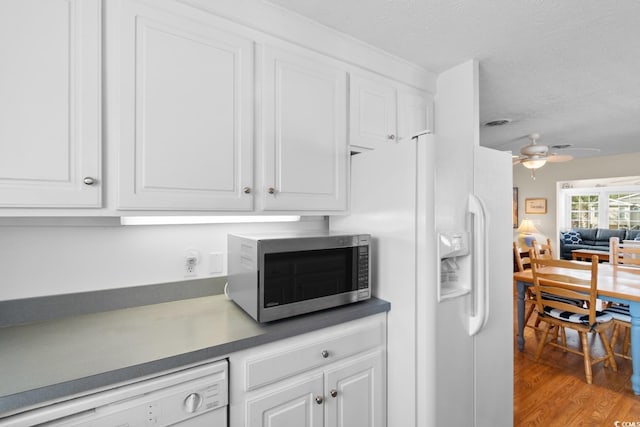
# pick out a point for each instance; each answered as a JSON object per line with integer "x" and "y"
{"x": 304, "y": 281}
{"x": 291, "y": 277}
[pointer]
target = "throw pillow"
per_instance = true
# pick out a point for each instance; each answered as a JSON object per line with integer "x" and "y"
{"x": 571, "y": 238}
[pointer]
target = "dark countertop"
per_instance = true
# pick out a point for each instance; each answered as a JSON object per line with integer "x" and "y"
{"x": 57, "y": 359}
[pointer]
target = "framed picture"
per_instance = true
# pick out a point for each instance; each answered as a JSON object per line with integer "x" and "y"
{"x": 514, "y": 215}
{"x": 535, "y": 206}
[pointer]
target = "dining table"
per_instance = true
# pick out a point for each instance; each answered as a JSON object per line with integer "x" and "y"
{"x": 616, "y": 283}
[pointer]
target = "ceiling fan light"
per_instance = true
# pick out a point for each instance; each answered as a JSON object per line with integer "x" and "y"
{"x": 534, "y": 163}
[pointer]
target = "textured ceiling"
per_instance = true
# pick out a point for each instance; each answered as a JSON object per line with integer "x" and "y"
{"x": 567, "y": 69}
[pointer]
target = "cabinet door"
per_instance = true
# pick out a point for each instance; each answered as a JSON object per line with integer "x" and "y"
{"x": 356, "y": 393}
{"x": 50, "y": 80}
{"x": 414, "y": 109}
{"x": 304, "y": 132}
{"x": 373, "y": 112}
{"x": 288, "y": 405}
{"x": 186, "y": 114}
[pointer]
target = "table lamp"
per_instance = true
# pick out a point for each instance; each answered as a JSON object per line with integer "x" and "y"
{"x": 526, "y": 230}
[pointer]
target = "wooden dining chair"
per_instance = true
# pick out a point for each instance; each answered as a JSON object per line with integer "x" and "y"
{"x": 621, "y": 326}
{"x": 558, "y": 282}
{"x": 627, "y": 254}
{"x": 624, "y": 253}
{"x": 524, "y": 263}
{"x": 543, "y": 250}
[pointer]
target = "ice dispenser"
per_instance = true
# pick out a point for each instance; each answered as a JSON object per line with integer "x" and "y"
{"x": 454, "y": 264}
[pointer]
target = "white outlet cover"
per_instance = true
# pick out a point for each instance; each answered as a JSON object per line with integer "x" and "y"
{"x": 191, "y": 261}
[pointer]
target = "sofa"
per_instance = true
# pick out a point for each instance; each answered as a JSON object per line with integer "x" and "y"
{"x": 592, "y": 238}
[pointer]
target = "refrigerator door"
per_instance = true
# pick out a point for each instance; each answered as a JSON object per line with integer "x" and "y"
{"x": 493, "y": 345}
{"x": 474, "y": 332}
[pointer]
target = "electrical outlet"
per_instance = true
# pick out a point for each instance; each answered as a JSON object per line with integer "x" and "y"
{"x": 191, "y": 260}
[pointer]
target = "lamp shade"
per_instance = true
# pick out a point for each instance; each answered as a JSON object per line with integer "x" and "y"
{"x": 527, "y": 227}
{"x": 534, "y": 163}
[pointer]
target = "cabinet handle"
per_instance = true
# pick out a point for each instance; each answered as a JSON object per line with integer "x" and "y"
{"x": 325, "y": 353}
{"x": 271, "y": 190}
{"x": 333, "y": 392}
{"x": 319, "y": 400}
{"x": 391, "y": 137}
{"x": 88, "y": 180}
{"x": 246, "y": 190}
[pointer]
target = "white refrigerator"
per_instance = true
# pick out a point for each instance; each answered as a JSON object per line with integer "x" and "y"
{"x": 450, "y": 327}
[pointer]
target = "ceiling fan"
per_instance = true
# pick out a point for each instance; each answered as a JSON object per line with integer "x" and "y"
{"x": 533, "y": 155}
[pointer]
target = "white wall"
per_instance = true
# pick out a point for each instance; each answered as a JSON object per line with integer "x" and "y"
{"x": 546, "y": 178}
{"x": 37, "y": 261}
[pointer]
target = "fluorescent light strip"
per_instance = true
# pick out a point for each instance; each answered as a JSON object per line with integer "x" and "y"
{"x": 163, "y": 220}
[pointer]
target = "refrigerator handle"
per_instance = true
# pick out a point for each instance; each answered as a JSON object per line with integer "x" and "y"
{"x": 480, "y": 276}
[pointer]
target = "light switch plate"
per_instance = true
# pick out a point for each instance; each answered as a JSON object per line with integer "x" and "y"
{"x": 216, "y": 262}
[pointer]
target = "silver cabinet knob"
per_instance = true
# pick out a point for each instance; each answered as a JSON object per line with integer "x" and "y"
{"x": 333, "y": 392}
{"x": 325, "y": 353}
{"x": 88, "y": 180}
{"x": 319, "y": 400}
{"x": 192, "y": 402}
{"x": 391, "y": 137}
{"x": 246, "y": 190}
{"x": 271, "y": 190}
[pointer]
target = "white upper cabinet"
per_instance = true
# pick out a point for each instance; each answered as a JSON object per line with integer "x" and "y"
{"x": 186, "y": 113}
{"x": 304, "y": 132}
{"x": 206, "y": 108}
{"x": 50, "y": 115}
{"x": 414, "y": 113}
{"x": 384, "y": 112}
{"x": 373, "y": 112}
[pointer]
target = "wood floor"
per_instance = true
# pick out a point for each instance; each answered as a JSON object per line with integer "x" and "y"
{"x": 553, "y": 391}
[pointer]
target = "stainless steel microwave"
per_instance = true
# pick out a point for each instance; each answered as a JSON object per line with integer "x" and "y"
{"x": 277, "y": 276}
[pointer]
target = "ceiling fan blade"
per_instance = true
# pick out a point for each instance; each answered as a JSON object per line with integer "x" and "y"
{"x": 559, "y": 158}
{"x": 516, "y": 160}
{"x": 577, "y": 149}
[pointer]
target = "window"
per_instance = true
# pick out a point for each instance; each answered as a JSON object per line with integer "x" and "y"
{"x": 584, "y": 211}
{"x": 612, "y": 203}
{"x": 624, "y": 210}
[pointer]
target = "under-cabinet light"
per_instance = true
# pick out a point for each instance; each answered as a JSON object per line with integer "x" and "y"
{"x": 223, "y": 219}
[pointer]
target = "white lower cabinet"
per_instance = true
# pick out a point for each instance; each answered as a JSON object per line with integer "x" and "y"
{"x": 289, "y": 405}
{"x": 331, "y": 378}
{"x": 353, "y": 397}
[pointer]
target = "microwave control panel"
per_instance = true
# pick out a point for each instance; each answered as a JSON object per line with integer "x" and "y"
{"x": 363, "y": 272}
{"x": 363, "y": 267}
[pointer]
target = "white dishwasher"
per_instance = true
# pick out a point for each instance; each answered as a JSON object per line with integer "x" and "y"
{"x": 194, "y": 397}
